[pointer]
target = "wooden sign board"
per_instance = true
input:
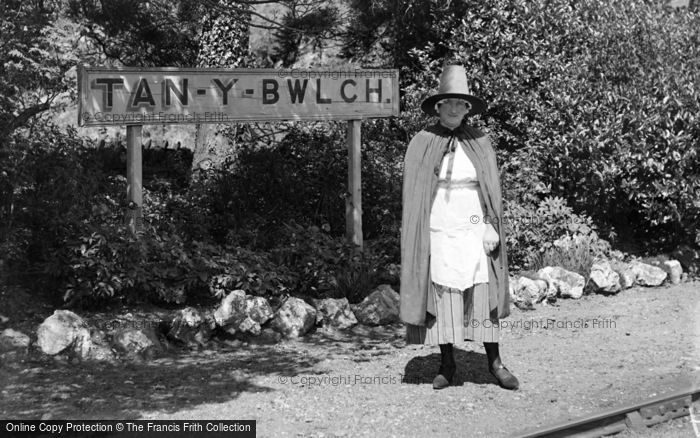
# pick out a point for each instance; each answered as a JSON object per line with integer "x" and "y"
{"x": 143, "y": 96}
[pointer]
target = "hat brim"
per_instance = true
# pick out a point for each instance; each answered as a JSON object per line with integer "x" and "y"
{"x": 477, "y": 105}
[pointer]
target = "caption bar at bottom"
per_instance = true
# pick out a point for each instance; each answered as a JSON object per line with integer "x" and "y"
{"x": 126, "y": 428}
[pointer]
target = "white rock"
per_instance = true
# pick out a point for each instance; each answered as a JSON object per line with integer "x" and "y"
{"x": 674, "y": 270}
{"x": 137, "y": 341}
{"x": 294, "y": 318}
{"x": 569, "y": 284}
{"x": 258, "y": 309}
{"x": 550, "y": 290}
{"x": 512, "y": 289}
{"x": 59, "y": 331}
{"x": 232, "y": 310}
{"x": 378, "y": 308}
{"x": 190, "y": 327}
{"x": 627, "y": 275}
{"x": 257, "y": 312}
{"x": 526, "y": 292}
{"x": 91, "y": 345}
{"x": 64, "y": 331}
{"x": 603, "y": 278}
{"x": 241, "y": 313}
{"x": 648, "y": 275}
{"x": 250, "y": 326}
{"x": 12, "y": 339}
{"x": 335, "y": 313}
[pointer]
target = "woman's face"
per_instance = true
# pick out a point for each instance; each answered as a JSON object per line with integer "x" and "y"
{"x": 452, "y": 111}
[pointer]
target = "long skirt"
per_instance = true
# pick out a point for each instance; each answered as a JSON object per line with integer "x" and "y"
{"x": 452, "y": 325}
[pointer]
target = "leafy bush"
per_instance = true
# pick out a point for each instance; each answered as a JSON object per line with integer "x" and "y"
{"x": 312, "y": 254}
{"x": 384, "y": 143}
{"x": 62, "y": 214}
{"x": 364, "y": 271}
{"x": 531, "y": 232}
{"x": 48, "y": 186}
{"x": 575, "y": 253}
{"x": 355, "y": 281}
{"x": 257, "y": 273}
{"x": 113, "y": 265}
{"x": 327, "y": 266}
{"x": 302, "y": 179}
{"x": 593, "y": 102}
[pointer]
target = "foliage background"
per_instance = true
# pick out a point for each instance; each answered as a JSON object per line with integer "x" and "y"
{"x": 593, "y": 108}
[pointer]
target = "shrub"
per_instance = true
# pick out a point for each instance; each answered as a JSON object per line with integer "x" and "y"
{"x": 48, "y": 186}
{"x": 110, "y": 264}
{"x": 593, "y": 102}
{"x": 327, "y": 266}
{"x": 303, "y": 179}
{"x": 572, "y": 253}
{"x": 313, "y": 255}
{"x": 355, "y": 281}
{"x": 531, "y": 232}
{"x": 384, "y": 143}
{"x": 62, "y": 214}
{"x": 366, "y": 270}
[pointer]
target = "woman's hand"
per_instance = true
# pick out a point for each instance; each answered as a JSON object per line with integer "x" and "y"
{"x": 490, "y": 239}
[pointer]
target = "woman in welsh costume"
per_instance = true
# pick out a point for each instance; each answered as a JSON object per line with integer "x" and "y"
{"x": 454, "y": 267}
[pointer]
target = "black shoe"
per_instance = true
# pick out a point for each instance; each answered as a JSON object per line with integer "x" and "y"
{"x": 444, "y": 377}
{"x": 440, "y": 382}
{"x": 505, "y": 378}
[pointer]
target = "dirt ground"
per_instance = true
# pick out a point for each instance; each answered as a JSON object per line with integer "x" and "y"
{"x": 572, "y": 359}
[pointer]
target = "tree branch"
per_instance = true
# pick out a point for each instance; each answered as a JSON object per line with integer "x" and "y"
{"x": 22, "y": 119}
{"x": 214, "y": 4}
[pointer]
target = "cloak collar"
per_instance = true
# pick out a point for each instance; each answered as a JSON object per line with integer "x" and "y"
{"x": 438, "y": 129}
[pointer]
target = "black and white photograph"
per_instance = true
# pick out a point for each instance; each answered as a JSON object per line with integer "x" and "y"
{"x": 350, "y": 218}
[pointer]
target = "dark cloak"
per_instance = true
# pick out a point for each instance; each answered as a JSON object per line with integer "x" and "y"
{"x": 420, "y": 183}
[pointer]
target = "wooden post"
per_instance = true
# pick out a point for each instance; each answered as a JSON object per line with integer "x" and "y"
{"x": 134, "y": 181}
{"x": 353, "y": 199}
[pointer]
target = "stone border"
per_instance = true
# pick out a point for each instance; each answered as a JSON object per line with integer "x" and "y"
{"x": 606, "y": 277}
{"x": 246, "y": 318}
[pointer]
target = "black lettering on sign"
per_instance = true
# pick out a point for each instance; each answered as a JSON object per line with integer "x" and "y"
{"x": 296, "y": 92}
{"x": 377, "y": 90}
{"x": 225, "y": 88}
{"x": 142, "y": 94}
{"x": 270, "y": 87}
{"x": 320, "y": 99}
{"x": 107, "y": 86}
{"x": 180, "y": 93}
{"x": 342, "y": 90}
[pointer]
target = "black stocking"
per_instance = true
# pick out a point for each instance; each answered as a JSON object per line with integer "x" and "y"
{"x": 492, "y": 354}
{"x": 447, "y": 360}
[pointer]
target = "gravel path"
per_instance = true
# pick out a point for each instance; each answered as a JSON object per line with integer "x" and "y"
{"x": 638, "y": 344}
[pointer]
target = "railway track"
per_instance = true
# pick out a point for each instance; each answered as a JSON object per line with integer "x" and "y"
{"x": 636, "y": 417}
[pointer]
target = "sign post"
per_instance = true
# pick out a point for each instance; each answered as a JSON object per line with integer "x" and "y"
{"x": 134, "y": 181}
{"x": 156, "y": 96}
{"x": 353, "y": 202}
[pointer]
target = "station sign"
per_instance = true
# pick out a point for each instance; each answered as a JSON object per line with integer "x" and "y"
{"x": 143, "y": 96}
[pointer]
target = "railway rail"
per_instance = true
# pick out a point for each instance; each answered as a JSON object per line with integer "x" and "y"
{"x": 635, "y": 416}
